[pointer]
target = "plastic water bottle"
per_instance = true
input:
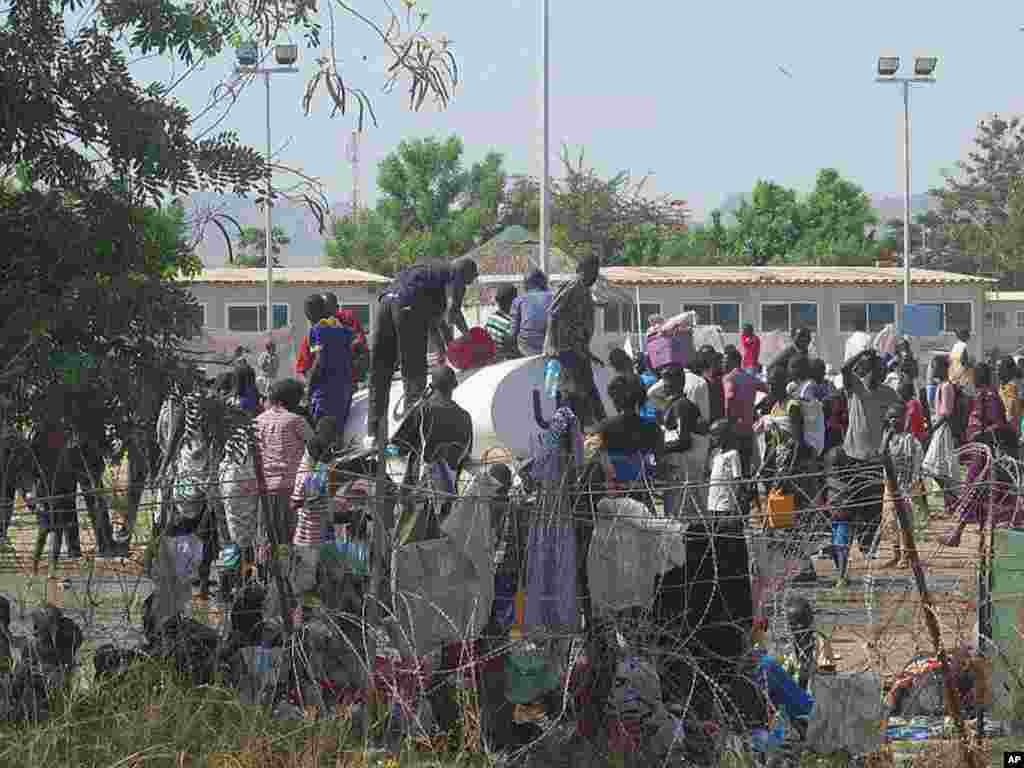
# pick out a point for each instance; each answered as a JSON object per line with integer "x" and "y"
{"x": 552, "y": 373}
{"x": 765, "y": 741}
{"x": 264, "y": 661}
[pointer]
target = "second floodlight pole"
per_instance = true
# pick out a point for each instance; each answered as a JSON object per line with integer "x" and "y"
{"x": 906, "y": 194}
{"x": 269, "y": 238}
{"x": 545, "y": 213}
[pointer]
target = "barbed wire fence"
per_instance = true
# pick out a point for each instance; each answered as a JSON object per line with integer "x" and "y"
{"x": 443, "y": 634}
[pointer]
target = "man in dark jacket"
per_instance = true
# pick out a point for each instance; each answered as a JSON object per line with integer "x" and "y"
{"x": 415, "y": 306}
{"x": 436, "y": 435}
{"x": 569, "y": 333}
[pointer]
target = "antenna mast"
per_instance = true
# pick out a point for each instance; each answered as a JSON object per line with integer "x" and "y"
{"x": 353, "y": 157}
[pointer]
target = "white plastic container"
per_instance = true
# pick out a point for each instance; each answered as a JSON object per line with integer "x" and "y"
{"x": 498, "y": 397}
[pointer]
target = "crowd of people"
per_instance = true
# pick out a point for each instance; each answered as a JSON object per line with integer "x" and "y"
{"x": 725, "y": 445}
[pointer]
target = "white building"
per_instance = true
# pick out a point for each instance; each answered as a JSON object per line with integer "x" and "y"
{"x": 1004, "y": 321}
{"x": 831, "y": 301}
{"x": 233, "y": 302}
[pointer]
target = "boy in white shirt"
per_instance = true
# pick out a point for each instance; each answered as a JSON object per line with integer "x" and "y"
{"x": 725, "y": 491}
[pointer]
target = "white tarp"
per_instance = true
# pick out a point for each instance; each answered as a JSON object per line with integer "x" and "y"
{"x": 847, "y": 714}
{"x": 629, "y": 549}
{"x": 444, "y": 588}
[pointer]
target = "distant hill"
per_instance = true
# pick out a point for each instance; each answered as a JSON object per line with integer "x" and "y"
{"x": 891, "y": 206}
{"x": 306, "y": 248}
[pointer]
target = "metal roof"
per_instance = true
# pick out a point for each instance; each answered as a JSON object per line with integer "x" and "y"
{"x": 1004, "y": 296}
{"x": 804, "y": 275}
{"x": 301, "y": 276}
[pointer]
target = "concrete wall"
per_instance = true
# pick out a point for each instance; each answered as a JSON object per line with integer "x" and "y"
{"x": 829, "y": 340}
{"x": 215, "y": 299}
{"x": 1004, "y": 325}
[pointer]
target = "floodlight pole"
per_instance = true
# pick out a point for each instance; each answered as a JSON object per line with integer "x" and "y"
{"x": 906, "y": 194}
{"x": 269, "y": 242}
{"x": 545, "y": 212}
{"x": 905, "y": 82}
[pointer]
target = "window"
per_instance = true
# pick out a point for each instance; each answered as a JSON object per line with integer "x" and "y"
{"x": 786, "y": 317}
{"x": 202, "y": 313}
{"x": 1020, "y": 319}
{"x": 252, "y": 318}
{"x": 868, "y": 317}
{"x": 725, "y": 315}
{"x": 995, "y": 319}
{"x": 956, "y": 315}
{"x": 362, "y": 313}
{"x": 621, "y": 317}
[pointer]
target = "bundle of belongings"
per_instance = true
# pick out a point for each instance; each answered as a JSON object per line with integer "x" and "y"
{"x": 434, "y": 577}
{"x": 638, "y": 718}
{"x": 473, "y": 350}
{"x": 671, "y": 342}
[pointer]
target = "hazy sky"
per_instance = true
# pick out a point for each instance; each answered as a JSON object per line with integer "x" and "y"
{"x": 690, "y": 91}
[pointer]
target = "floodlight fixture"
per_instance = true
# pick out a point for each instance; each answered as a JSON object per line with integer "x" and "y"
{"x": 888, "y": 65}
{"x": 924, "y": 66}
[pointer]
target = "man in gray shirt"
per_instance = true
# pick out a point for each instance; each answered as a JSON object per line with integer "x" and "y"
{"x": 868, "y": 402}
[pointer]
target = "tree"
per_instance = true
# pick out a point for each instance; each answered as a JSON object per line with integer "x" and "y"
{"x": 830, "y": 227}
{"x": 436, "y": 208}
{"x": 521, "y": 204}
{"x": 602, "y": 215}
{"x": 837, "y": 214}
{"x": 365, "y": 241}
{"x": 88, "y": 312}
{"x": 769, "y": 226}
{"x": 979, "y": 214}
{"x": 252, "y": 246}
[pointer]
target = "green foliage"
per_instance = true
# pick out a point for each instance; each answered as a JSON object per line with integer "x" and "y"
{"x": 252, "y": 246}
{"x": 829, "y": 227}
{"x": 430, "y": 207}
{"x": 612, "y": 217}
{"x": 166, "y": 26}
{"x": 837, "y": 213}
{"x": 419, "y": 183}
{"x": 365, "y": 241}
{"x": 771, "y": 223}
{"x": 979, "y": 225}
{"x": 167, "y": 248}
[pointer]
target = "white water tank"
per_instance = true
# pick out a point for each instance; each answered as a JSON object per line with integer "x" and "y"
{"x": 500, "y": 400}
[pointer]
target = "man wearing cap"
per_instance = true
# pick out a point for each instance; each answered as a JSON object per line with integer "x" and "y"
{"x": 423, "y": 302}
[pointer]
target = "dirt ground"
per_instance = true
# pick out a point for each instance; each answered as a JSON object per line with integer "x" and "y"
{"x": 898, "y": 631}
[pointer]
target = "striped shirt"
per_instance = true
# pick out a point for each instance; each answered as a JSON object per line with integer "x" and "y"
{"x": 282, "y": 435}
{"x": 239, "y": 489}
{"x": 499, "y": 327}
{"x": 315, "y": 491}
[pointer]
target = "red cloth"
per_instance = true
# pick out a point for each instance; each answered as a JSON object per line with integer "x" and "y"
{"x": 915, "y": 423}
{"x": 474, "y": 350}
{"x": 751, "y": 351}
{"x": 304, "y": 359}
{"x": 348, "y": 318}
{"x": 56, "y": 439}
